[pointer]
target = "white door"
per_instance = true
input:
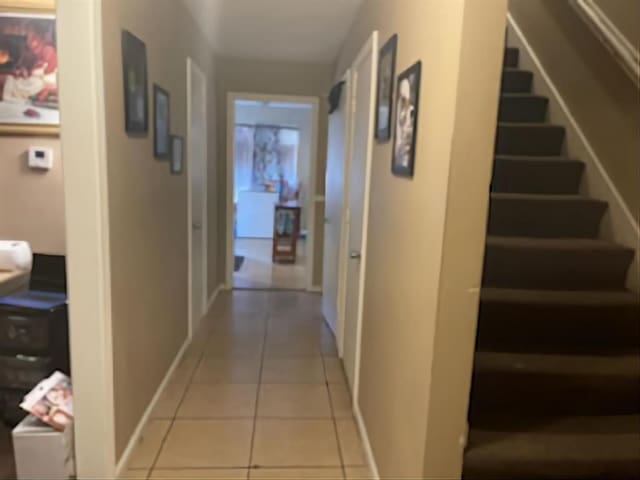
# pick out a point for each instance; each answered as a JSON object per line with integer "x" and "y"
{"x": 197, "y": 152}
{"x": 333, "y": 268}
{"x": 359, "y": 171}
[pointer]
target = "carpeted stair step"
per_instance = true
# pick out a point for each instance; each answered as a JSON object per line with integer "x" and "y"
{"x": 521, "y": 174}
{"x": 522, "y": 107}
{"x": 529, "y": 139}
{"x": 558, "y": 321}
{"x": 511, "y": 57}
{"x": 548, "y": 384}
{"x": 545, "y": 216}
{"x": 585, "y": 448}
{"x": 516, "y": 81}
{"x": 555, "y": 264}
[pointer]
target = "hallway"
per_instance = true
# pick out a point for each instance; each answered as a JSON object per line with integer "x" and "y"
{"x": 260, "y": 394}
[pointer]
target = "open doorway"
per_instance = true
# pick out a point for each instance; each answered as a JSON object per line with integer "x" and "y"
{"x": 272, "y": 168}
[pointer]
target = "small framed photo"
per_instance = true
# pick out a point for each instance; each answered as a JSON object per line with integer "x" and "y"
{"x": 134, "y": 71}
{"x": 406, "y": 125}
{"x": 177, "y": 154}
{"x": 386, "y": 75}
{"x": 161, "y": 123}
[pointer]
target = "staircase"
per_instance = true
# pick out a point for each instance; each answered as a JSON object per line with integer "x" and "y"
{"x": 556, "y": 383}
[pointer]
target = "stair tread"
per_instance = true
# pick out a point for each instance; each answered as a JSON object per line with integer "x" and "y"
{"x": 530, "y": 125}
{"x": 536, "y": 158}
{"x": 567, "y": 439}
{"x": 624, "y": 365}
{"x": 560, "y": 297}
{"x": 554, "y": 243}
{"x": 522, "y": 95}
{"x": 552, "y": 197}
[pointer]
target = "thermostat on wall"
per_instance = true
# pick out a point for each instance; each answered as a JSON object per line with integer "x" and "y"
{"x": 41, "y": 158}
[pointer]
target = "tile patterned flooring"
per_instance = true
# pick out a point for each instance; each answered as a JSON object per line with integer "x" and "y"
{"x": 260, "y": 394}
{"x": 259, "y": 271}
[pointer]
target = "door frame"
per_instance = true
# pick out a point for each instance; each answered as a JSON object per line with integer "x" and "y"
{"x": 312, "y": 199}
{"x": 369, "y": 48}
{"x": 192, "y": 67}
{"x": 347, "y": 77}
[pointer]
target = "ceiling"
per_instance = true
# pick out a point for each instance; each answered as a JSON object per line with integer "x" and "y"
{"x": 287, "y": 30}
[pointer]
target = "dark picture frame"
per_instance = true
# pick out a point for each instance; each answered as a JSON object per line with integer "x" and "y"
{"x": 161, "y": 123}
{"x": 176, "y": 165}
{"x": 406, "y": 123}
{"x": 29, "y": 96}
{"x": 135, "y": 80}
{"x": 386, "y": 77}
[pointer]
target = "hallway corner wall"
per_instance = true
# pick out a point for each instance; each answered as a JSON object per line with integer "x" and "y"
{"x": 148, "y": 206}
{"x": 426, "y": 234}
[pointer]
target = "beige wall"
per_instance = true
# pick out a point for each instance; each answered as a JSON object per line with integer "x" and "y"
{"x": 600, "y": 96}
{"x": 275, "y": 78}
{"x": 625, "y": 14}
{"x": 148, "y": 206}
{"x": 426, "y": 235}
{"x": 31, "y": 201}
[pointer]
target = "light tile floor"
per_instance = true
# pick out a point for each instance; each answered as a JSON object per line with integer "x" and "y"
{"x": 260, "y": 394}
{"x": 259, "y": 271}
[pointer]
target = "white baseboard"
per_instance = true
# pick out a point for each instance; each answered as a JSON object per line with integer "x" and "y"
{"x": 214, "y": 296}
{"x": 619, "y": 225}
{"x": 133, "y": 441}
{"x": 364, "y": 435}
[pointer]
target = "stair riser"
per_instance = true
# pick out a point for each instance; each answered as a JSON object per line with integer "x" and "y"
{"x": 546, "y": 394}
{"x": 521, "y": 176}
{"x": 529, "y": 140}
{"x": 511, "y": 57}
{"x": 556, "y": 269}
{"x": 545, "y": 218}
{"x": 522, "y": 109}
{"x": 517, "y": 81}
{"x": 577, "y": 329}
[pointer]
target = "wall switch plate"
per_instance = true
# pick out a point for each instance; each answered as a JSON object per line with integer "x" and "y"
{"x": 41, "y": 158}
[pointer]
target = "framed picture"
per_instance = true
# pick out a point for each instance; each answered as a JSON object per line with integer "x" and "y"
{"x": 177, "y": 154}
{"x": 134, "y": 71}
{"x": 406, "y": 125}
{"x": 386, "y": 75}
{"x": 161, "y": 123}
{"x": 28, "y": 73}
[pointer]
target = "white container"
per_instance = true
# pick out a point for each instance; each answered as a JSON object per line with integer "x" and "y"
{"x": 15, "y": 255}
{"x": 42, "y": 452}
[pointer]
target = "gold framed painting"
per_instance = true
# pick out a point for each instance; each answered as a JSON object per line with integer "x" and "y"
{"x": 28, "y": 68}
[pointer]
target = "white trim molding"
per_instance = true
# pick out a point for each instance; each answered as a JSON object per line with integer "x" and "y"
{"x": 83, "y": 140}
{"x": 135, "y": 437}
{"x": 368, "y": 450}
{"x": 620, "y": 225}
{"x": 214, "y": 296}
{"x": 622, "y": 49}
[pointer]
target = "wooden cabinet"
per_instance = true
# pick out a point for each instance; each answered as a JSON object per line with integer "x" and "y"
{"x": 286, "y": 232}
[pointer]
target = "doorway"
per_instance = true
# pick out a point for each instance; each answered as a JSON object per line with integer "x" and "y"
{"x": 360, "y": 115}
{"x": 197, "y": 202}
{"x": 271, "y": 171}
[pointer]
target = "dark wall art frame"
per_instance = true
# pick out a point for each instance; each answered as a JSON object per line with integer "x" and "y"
{"x": 161, "y": 123}
{"x": 406, "y": 121}
{"x": 135, "y": 79}
{"x": 386, "y": 77}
